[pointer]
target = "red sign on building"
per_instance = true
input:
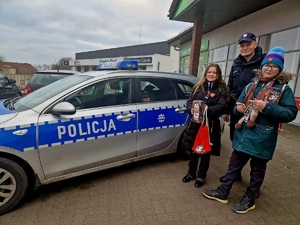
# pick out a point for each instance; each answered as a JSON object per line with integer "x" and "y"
{"x": 297, "y": 99}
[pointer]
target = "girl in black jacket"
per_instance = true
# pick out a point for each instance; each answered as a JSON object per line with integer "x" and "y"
{"x": 212, "y": 90}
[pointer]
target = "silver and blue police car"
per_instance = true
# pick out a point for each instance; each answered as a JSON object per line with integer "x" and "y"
{"x": 89, "y": 122}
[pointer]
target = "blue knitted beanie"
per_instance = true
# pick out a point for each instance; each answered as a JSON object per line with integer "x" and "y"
{"x": 275, "y": 56}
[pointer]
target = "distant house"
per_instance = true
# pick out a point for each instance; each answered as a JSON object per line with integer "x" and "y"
{"x": 21, "y": 72}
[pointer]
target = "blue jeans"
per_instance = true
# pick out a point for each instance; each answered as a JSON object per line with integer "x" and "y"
{"x": 257, "y": 174}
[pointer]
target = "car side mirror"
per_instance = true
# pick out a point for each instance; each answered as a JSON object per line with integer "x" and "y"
{"x": 63, "y": 108}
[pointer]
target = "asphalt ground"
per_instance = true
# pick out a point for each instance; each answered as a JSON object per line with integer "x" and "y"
{"x": 151, "y": 193}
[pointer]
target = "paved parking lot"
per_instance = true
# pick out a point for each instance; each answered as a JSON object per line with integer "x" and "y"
{"x": 151, "y": 193}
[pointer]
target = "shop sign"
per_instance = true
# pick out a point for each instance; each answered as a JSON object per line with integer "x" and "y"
{"x": 297, "y": 99}
{"x": 141, "y": 59}
{"x": 104, "y": 60}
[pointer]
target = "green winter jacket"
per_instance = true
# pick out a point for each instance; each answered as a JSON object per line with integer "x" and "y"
{"x": 260, "y": 141}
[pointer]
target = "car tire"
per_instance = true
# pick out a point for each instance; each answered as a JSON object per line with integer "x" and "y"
{"x": 14, "y": 177}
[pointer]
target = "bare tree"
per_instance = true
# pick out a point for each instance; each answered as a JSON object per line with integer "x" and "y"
{"x": 63, "y": 64}
{"x": 42, "y": 67}
{"x": 2, "y": 58}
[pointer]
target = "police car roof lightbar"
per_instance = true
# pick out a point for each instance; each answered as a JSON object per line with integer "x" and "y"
{"x": 122, "y": 65}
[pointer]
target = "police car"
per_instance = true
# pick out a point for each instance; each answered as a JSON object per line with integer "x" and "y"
{"x": 89, "y": 122}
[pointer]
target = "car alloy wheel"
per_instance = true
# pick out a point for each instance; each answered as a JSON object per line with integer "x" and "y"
{"x": 13, "y": 184}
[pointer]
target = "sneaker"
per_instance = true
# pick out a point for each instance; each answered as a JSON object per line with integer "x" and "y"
{"x": 239, "y": 178}
{"x": 199, "y": 182}
{"x": 187, "y": 178}
{"x": 215, "y": 195}
{"x": 245, "y": 205}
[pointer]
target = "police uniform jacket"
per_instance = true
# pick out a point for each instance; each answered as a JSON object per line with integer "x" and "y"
{"x": 242, "y": 73}
{"x": 216, "y": 102}
{"x": 260, "y": 140}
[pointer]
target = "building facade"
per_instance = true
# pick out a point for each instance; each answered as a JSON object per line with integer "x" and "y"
{"x": 273, "y": 22}
{"x": 154, "y": 57}
{"x": 20, "y": 72}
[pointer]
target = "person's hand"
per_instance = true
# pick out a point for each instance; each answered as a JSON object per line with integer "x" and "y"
{"x": 258, "y": 104}
{"x": 240, "y": 107}
{"x": 226, "y": 117}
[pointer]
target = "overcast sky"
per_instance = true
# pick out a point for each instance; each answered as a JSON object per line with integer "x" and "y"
{"x": 44, "y": 31}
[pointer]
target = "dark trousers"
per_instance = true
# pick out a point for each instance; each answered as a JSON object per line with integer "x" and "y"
{"x": 233, "y": 117}
{"x": 257, "y": 174}
{"x": 203, "y": 166}
{"x": 233, "y": 120}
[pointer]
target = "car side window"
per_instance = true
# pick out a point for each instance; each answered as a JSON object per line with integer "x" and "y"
{"x": 157, "y": 89}
{"x": 116, "y": 92}
{"x": 185, "y": 89}
{"x": 105, "y": 93}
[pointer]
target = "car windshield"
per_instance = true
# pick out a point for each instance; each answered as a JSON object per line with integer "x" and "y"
{"x": 46, "y": 78}
{"x": 37, "y": 97}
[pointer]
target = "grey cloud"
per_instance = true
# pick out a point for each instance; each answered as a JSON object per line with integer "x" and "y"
{"x": 43, "y": 31}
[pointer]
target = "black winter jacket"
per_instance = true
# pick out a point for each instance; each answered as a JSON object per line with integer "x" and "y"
{"x": 242, "y": 73}
{"x": 216, "y": 105}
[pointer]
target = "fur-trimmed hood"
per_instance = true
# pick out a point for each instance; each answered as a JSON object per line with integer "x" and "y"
{"x": 284, "y": 78}
{"x": 281, "y": 78}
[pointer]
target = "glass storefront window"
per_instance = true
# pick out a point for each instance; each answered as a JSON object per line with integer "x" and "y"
{"x": 291, "y": 62}
{"x": 233, "y": 52}
{"x": 184, "y": 64}
{"x": 288, "y": 39}
{"x": 228, "y": 68}
{"x": 218, "y": 54}
{"x": 224, "y": 56}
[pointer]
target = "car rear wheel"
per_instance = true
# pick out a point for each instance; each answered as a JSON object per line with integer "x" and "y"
{"x": 13, "y": 184}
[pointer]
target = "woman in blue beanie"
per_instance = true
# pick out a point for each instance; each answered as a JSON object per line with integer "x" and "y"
{"x": 274, "y": 103}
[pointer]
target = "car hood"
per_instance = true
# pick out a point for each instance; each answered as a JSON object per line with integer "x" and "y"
{"x": 5, "y": 114}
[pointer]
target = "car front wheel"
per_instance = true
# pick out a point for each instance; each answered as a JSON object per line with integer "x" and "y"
{"x": 13, "y": 184}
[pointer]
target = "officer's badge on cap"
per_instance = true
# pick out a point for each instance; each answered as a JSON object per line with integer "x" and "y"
{"x": 248, "y": 37}
{"x": 275, "y": 56}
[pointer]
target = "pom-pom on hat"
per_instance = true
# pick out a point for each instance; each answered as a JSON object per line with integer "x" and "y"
{"x": 275, "y": 56}
{"x": 248, "y": 37}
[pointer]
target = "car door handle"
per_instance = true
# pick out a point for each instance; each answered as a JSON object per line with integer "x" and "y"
{"x": 125, "y": 117}
{"x": 180, "y": 109}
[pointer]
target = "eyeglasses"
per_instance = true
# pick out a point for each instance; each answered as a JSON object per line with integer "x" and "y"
{"x": 271, "y": 66}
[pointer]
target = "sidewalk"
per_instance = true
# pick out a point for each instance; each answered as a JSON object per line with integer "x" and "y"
{"x": 279, "y": 202}
{"x": 150, "y": 192}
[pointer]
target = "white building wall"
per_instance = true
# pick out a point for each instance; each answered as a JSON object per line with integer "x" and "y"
{"x": 163, "y": 63}
{"x": 170, "y": 63}
{"x": 273, "y": 18}
{"x": 281, "y": 16}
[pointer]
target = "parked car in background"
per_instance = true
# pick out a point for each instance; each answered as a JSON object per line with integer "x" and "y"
{"x": 45, "y": 77}
{"x": 8, "y": 87}
{"x": 89, "y": 122}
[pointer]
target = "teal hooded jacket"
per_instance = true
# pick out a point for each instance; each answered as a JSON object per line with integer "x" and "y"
{"x": 260, "y": 140}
